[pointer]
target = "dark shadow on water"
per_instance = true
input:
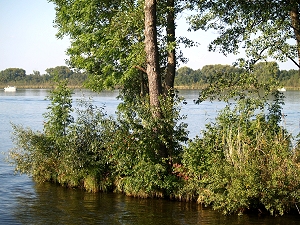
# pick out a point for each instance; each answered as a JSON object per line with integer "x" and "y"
{"x": 52, "y": 204}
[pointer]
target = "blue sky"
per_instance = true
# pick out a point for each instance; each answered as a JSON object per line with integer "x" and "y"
{"x": 28, "y": 39}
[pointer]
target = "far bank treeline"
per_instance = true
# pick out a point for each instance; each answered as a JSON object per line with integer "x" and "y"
{"x": 19, "y": 78}
{"x": 264, "y": 71}
{"x": 185, "y": 77}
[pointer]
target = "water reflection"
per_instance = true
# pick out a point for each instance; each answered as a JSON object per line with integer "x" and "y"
{"x": 52, "y": 204}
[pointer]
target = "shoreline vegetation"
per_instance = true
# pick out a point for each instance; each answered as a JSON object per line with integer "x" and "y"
{"x": 180, "y": 87}
{"x": 176, "y": 87}
{"x": 186, "y": 78}
{"x": 244, "y": 162}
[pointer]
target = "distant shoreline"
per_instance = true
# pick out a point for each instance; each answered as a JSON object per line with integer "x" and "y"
{"x": 40, "y": 86}
{"x": 181, "y": 87}
{"x": 201, "y": 87}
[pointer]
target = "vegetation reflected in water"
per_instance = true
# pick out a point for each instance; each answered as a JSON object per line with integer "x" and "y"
{"x": 52, "y": 204}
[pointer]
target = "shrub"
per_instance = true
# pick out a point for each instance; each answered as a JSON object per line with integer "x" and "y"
{"x": 100, "y": 153}
{"x": 139, "y": 168}
{"x": 70, "y": 152}
{"x": 244, "y": 161}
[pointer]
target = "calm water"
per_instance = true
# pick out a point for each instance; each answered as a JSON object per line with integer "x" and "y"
{"x": 22, "y": 201}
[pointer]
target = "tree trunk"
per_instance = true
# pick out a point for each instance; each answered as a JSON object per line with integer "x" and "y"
{"x": 171, "y": 65}
{"x": 151, "y": 49}
{"x": 296, "y": 26}
{"x": 153, "y": 73}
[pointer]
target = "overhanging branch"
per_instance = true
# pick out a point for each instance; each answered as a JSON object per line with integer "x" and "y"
{"x": 297, "y": 64}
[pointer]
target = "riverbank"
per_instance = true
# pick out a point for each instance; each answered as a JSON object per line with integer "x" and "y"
{"x": 199, "y": 87}
{"x": 46, "y": 86}
{"x": 179, "y": 87}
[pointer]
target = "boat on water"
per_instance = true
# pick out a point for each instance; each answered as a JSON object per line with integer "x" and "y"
{"x": 281, "y": 89}
{"x": 10, "y": 88}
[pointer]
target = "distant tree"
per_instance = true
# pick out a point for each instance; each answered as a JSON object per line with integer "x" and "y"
{"x": 36, "y": 73}
{"x": 186, "y": 76}
{"x": 285, "y": 75}
{"x": 289, "y": 78}
{"x": 78, "y": 78}
{"x": 265, "y": 71}
{"x": 209, "y": 71}
{"x": 63, "y": 72}
{"x": 12, "y": 74}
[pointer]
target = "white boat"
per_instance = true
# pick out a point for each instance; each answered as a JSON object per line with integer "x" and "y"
{"x": 10, "y": 88}
{"x": 281, "y": 89}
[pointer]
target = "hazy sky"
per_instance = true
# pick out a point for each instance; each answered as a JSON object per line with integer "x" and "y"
{"x": 28, "y": 39}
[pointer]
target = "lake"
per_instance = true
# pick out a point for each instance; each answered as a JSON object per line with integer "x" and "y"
{"x": 23, "y": 201}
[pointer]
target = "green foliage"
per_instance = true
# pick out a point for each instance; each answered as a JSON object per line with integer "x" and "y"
{"x": 107, "y": 38}
{"x": 83, "y": 160}
{"x": 244, "y": 161}
{"x": 99, "y": 153}
{"x": 187, "y": 76}
{"x": 137, "y": 145}
{"x": 35, "y": 154}
{"x": 262, "y": 29}
{"x": 59, "y": 114}
{"x": 263, "y": 72}
{"x": 12, "y": 74}
{"x": 19, "y": 78}
{"x": 289, "y": 78}
{"x": 62, "y": 72}
{"x": 132, "y": 83}
{"x": 70, "y": 152}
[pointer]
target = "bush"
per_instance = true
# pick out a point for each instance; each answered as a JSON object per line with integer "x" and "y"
{"x": 244, "y": 161}
{"x": 100, "y": 153}
{"x": 139, "y": 168}
{"x": 70, "y": 152}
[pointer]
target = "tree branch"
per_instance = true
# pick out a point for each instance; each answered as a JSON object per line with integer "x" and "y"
{"x": 294, "y": 62}
{"x": 141, "y": 69}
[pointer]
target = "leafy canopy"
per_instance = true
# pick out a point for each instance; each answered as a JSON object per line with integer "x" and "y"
{"x": 263, "y": 28}
{"x": 107, "y": 38}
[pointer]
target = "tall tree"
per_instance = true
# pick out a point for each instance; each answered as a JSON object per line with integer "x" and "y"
{"x": 151, "y": 50}
{"x": 264, "y": 28}
{"x": 108, "y": 40}
{"x": 117, "y": 42}
{"x": 171, "y": 40}
{"x": 129, "y": 43}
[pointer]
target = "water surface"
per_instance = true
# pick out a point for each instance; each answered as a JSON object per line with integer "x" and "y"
{"x": 23, "y": 201}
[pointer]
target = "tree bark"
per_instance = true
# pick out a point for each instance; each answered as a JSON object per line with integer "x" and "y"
{"x": 153, "y": 73}
{"x": 171, "y": 64}
{"x": 151, "y": 49}
{"x": 296, "y": 26}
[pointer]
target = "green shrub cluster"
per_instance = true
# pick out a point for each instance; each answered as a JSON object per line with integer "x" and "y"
{"x": 101, "y": 153}
{"x": 69, "y": 151}
{"x": 140, "y": 169}
{"x": 244, "y": 161}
